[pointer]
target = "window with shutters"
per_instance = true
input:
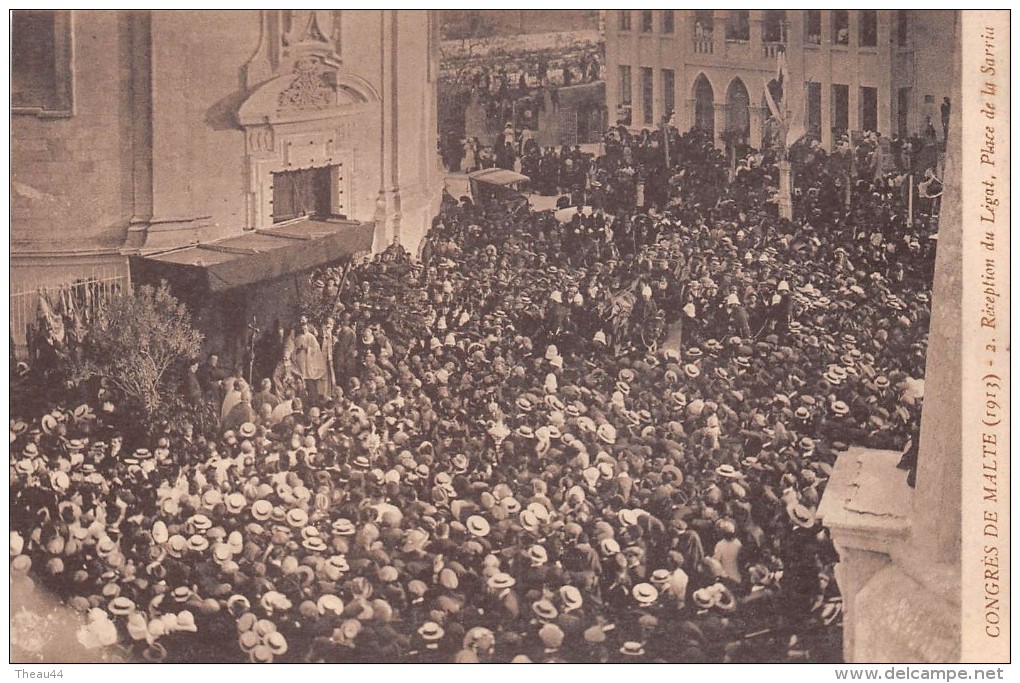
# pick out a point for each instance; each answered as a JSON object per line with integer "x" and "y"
{"x": 869, "y": 108}
{"x": 840, "y": 108}
{"x": 668, "y": 92}
{"x": 840, "y": 27}
{"x": 312, "y": 192}
{"x": 647, "y": 95}
{"x": 868, "y": 32}
{"x": 625, "y": 91}
{"x": 41, "y": 62}
{"x": 668, "y": 21}
{"x": 813, "y": 27}
{"x": 647, "y": 21}
{"x": 738, "y": 25}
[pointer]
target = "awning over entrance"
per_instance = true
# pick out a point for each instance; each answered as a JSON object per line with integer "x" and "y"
{"x": 258, "y": 256}
{"x": 497, "y": 176}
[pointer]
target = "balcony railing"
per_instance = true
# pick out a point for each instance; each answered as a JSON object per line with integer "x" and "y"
{"x": 772, "y": 50}
{"x": 703, "y": 45}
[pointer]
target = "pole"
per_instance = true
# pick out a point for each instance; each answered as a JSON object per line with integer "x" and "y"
{"x": 910, "y": 201}
{"x": 785, "y": 192}
{"x": 785, "y": 181}
{"x": 253, "y": 332}
{"x": 665, "y": 140}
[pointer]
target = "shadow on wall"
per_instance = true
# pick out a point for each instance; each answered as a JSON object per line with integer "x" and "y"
{"x": 222, "y": 115}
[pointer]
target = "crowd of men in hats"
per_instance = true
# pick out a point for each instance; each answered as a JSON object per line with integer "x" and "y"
{"x": 518, "y": 85}
{"x": 487, "y": 455}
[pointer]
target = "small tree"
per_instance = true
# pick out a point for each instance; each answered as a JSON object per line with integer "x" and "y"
{"x": 138, "y": 343}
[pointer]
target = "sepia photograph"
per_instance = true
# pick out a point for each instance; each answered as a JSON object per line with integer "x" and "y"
{"x": 509, "y": 336}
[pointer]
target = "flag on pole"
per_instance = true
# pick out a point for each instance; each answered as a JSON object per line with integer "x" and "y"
{"x": 792, "y": 126}
{"x": 774, "y": 109}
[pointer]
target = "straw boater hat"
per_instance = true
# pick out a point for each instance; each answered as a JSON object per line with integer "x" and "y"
{"x": 297, "y": 518}
{"x": 431, "y": 632}
{"x": 727, "y": 471}
{"x": 261, "y": 509}
{"x": 500, "y": 581}
{"x": 801, "y": 515}
{"x": 645, "y": 593}
{"x": 477, "y": 526}
{"x": 343, "y": 527}
{"x": 571, "y": 597}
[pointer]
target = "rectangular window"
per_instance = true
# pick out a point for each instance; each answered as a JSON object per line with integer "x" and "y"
{"x": 704, "y": 23}
{"x": 624, "y": 20}
{"x": 668, "y": 21}
{"x": 840, "y": 108}
{"x": 647, "y": 21}
{"x": 814, "y": 108}
{"x": 306, "y": 192}
{"x": 902, "y": 28}
{"x": 738, "y": 25}
{"x": 668, "y": 92}
{"x": 625, "y": 91}
{"x": 41, "y": 70}
{"x": 647, "y": 101}
{"x": 813, "y": 27}
{"x": 840, "y": 27}
{"x": 773, "y": 28}
{"x": 868, "y": 29}
{"x": 903, "y": 112}
{"x": 869, "y": 108}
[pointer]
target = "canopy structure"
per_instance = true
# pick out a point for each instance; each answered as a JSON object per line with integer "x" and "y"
{"x": 497, "y": 176}
{"x": 257, "y": 256}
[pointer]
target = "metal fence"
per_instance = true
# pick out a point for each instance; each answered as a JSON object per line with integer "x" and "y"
{"x": 86, "y": 292}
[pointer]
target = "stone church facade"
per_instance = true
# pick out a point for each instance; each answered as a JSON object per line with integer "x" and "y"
{"x": 181, "y": 138}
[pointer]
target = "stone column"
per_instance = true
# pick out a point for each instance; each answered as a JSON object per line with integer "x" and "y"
{"x": 757, "y": 18}
{"x": 721, "y": 115}
{"x": 909, "y": 611}
{"x": 688, "y": 117}
{"x": 388, "y": 201}
{"x": 757, "y": 122}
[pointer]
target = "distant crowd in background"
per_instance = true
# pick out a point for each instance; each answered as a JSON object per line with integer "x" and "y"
{"x": 518, "y": 89}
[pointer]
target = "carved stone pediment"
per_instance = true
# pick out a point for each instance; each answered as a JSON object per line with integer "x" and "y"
{"x": 309, "y": 114}
{"x": 314, "y": 88}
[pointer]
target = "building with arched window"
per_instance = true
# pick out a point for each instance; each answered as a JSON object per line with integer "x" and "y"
{"x": 850, "y": 70}
{"x": 223, "y": 151}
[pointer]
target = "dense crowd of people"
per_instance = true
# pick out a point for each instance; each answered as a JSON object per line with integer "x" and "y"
{"x": 507, "y": 83}
{"x": 513, "y": 90}
{"x": 597, "y": 438}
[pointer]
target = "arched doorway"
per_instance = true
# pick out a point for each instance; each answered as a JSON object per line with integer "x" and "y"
{"x": 738, "y": 112}
{"x": 704, "y": 105}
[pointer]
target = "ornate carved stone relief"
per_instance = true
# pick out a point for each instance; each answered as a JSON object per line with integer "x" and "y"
{"x": 312, "y": 89}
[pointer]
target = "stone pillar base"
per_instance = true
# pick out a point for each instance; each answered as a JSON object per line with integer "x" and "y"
{"x": 866, "y": 509}
{"x": 910, "y": 612}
